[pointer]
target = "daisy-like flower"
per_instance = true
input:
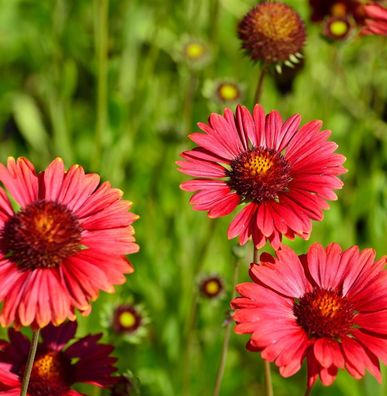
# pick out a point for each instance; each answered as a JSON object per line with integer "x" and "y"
{"x": 280, "y": 173}
{"x": 375, "y": 20}
{"x": 328, "y": 307}
{"x": 57, "y": 367}
{"x": 272, "y": 32}
{"x": 65, "y": 242}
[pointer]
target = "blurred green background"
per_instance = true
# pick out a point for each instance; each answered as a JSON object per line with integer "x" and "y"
{"x": 106, "y": 84}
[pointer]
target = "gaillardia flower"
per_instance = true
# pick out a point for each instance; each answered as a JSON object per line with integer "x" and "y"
{"x": 282, "y": 174}
{"x": 272, "y": 32}
{"x": 56, "y": 367}
{"x": 66, "y": 242}
{"x": 328, "y": 307}
{"x": 336, "y": 28}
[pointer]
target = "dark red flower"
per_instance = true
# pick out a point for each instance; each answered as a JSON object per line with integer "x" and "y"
{"x": 56, "y": 367}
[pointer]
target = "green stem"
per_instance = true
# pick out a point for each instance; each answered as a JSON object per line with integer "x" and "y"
{"x": 30, "y": 362}
{"x": 308, "y": 391}
{"x": 101, "y": 37}
{"x": 267, "y": 371}
{"x": 227, "y": 335}
{"x": 259, "y": 89}
{"x": 191, "y": 319}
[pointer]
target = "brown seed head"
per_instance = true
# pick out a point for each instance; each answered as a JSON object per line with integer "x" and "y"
{"x": 271, "y": 32}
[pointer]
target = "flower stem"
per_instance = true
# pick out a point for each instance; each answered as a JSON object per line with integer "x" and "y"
{"x": 30, "y": 362}
{"x": 258, "y": 90}
{"x": 268, "y": 382}
{"x": 226, "y": 341}
{"x": 191, "y": 318}
{"x": 101, "y": 41}
{"x": 308, "y": 391}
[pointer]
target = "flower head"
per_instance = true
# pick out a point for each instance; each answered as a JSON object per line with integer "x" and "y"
{"x": 337, "y": 28}
{"x": 375, "y": 20}
{"x": 272, "y": 32}
{"x": 280, "y": 173}
{"x": 56, "y": 367}
{"x": 211, "y": 287}
{"x": 66, "y": 242}
{"x": 195, "y": 53}
{"x": 328, "y": 307}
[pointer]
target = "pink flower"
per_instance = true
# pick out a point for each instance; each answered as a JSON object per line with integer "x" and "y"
{"x": 281, "y": 174}
{"x": 375, "y": 20}
{"x": 329, "y": 307}
{"x": 66, "y": 242}
{"x": 56, "y": 367}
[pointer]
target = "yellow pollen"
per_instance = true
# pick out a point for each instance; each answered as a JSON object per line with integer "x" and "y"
{"x": 212, "y": 287}
{"x": 258, "y": 165}
{"x": 194, "y": 50}
{"x": 276, "y": 26}
{"x": 47, "y": 366}
{"x": 228, "y": 92}
{"x": 338, "y": 28}
{"x": 327, "y": 306}
{"x": 338, "y": 10}
{"x": 127, "y": 319}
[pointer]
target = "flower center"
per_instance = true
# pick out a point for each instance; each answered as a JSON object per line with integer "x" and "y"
{"x": 211, "y": 287}
{"x": 41, "y": 235}
{"x": 276, "y": 21}
{"x": 52, "y": 374}
{"x": 194, "y": 50}
{"x": 259, "y": 175}
{"x": 324, "y": 313}
{"x": 126, "y": 319}
{"x": 228, "y": 92}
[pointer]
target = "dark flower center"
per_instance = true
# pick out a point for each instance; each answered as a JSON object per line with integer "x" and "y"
{"x": 259, "y": 175}
{"x": 324, "y": 313}
{"x": 52, "y": 374}
{"x": 41, "y": 235}
{"x": 126, "y": 319}
{"x": 211, "y": 287}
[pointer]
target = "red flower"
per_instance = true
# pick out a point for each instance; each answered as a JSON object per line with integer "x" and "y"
{"x": 375, "y": 20}
{"x": 282, "y": 174}
{"x": 67, "y": 242}
{"x": 328, "y": 306}
{"x": 55, "y": 368}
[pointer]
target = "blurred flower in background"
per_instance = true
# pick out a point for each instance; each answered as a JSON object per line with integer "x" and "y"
{"x": 336, "y": 28}
{"x": 65, "y": 243}
{"x": 195, "y": 53}
{"x": 211, "y": 287}
{"x": 282, "y": 175}
{"x": 223, "y": 91}
{"x": 57, "y": 367}
{"x": 273, "y": 33}
{"x": 126, "y": 385}
{"x": 128, "y": 321}
{"x": 328, "y": 307}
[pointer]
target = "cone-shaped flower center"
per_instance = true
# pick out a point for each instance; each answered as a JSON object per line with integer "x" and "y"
{"x": 324, "y": 313}
{"x": 259, "y": 175}
{"x": 52, "y": 374}
{"x": 126, "y": 319}
{"x": 41, "y": 235}
{"x": 276, "y": 21}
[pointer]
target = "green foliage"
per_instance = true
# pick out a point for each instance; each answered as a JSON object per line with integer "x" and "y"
{"x": 48, "y": 108}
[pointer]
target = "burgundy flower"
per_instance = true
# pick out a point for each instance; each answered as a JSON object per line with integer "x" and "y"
{"x": 56, "y": 367}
